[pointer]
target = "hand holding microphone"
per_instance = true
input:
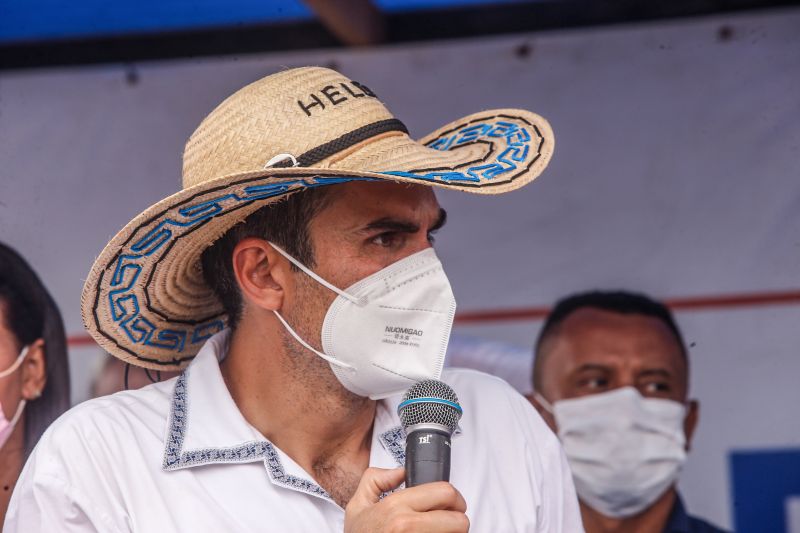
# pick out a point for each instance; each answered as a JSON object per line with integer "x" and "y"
{"x": 429, "y": 413}
{"x": 432, "y": 507}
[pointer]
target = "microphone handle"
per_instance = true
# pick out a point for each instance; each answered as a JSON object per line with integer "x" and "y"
{"x": 427, "y": 457}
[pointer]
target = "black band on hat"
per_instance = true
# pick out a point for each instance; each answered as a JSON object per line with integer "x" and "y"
{"x": 323, "y": 151}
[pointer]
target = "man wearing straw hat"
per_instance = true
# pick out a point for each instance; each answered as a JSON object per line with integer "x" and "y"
{"x": 294, "y": 283}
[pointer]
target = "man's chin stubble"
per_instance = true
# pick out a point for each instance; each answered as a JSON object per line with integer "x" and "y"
{"x": 315, "y": 381}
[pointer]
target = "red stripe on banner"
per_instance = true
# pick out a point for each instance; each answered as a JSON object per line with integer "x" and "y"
{"x": 74, "y": 341}
{"x": 695, "y": 303}
{"x": 726, "y": 301}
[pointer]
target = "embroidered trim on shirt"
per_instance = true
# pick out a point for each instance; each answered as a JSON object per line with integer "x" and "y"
{"x": 175, "y": 458}
{"x": 394, "y": 441}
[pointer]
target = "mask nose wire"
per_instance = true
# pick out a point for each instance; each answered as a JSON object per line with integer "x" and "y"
{"x": 313, "y": 275}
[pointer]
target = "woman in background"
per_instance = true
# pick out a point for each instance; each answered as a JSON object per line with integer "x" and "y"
{"x": 34, "y": 377}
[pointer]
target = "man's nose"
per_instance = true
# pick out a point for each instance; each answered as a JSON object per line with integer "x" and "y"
{"x": 625, "y": 379}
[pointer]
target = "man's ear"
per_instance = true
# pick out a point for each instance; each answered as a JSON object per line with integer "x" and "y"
{"x": 544, "y": 413}
{"x": 261, "y": 272}
{"x": 690, "y": 422}
{"x": 34, "y": 370}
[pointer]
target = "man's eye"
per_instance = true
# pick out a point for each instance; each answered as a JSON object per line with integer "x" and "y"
{"x": 656, "y": 387}
{"x": 598, "y": 383}
{"x": 386, "y": 240}
{"x": 594, "y": 383}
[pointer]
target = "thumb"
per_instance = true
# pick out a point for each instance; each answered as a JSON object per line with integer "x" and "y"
{"x": 374, "y": 482}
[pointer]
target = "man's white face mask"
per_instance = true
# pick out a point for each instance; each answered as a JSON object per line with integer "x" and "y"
{"x": 389, "y": 330}
{"x": 624, "y": 450}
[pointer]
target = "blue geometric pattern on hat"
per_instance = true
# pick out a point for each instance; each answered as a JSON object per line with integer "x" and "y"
{"x": 513, "y": 149}
{"x": 517, "y": 147}
{"x": 124, "y": 303}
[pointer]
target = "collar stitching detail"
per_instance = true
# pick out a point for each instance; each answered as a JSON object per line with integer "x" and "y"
{"x": 394, "y": 440}
{"x": 175, "y": 458}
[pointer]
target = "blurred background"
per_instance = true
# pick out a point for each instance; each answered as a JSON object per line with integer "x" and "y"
{"x": 676, "y": 172}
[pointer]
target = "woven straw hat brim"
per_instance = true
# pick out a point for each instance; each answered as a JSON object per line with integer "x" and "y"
{"x": 145, "y": 300}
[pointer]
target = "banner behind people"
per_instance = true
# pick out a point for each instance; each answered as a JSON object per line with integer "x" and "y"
{"x": 682, "y": 169}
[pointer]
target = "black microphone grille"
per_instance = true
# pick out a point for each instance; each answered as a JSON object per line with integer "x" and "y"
{"x": 430, "y": 402}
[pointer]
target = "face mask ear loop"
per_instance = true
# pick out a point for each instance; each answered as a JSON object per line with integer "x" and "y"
{"x": 13, "y": 367}
{"x": 315, "y": 277}
{"x": 544, "y": 403}
{"x": 18, "y": 414}
{"x": 307, "y": 346}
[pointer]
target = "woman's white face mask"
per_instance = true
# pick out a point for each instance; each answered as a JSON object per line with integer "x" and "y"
{"x": 624, "y": 450}
{"x": 6, "y": 425}
{"x": 389, "y": 330}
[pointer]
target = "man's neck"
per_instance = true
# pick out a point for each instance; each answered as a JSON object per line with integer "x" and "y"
{"x": 653, "y": 519}
{"x": 297, "y": 403}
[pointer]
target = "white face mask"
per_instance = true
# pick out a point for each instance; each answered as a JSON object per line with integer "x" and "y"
{"x": 389, "y": 330}
{"x": 6, "y": 425}
{"x": 624, "y": 450}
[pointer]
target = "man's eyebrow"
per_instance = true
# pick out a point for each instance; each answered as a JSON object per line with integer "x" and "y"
{"x": 655, "y": 372}
{"x": 592, "y": 366}
{"x": 392, "y": 224}
{"x": 404, "y": 226}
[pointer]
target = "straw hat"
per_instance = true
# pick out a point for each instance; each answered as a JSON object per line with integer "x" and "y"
{"x": 145, "y": 301}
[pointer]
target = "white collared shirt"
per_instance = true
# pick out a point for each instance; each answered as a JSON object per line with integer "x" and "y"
{"x": 179, "y": 456}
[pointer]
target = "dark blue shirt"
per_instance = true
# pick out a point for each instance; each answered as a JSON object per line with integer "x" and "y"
{"x": 680, "y": 521}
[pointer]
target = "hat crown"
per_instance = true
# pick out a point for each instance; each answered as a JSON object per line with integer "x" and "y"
{"x": 294, "y": 112}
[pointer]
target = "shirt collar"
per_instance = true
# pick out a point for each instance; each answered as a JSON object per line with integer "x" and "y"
{"x": 678, "y": 519}
{"x": 205, "y": 426}
{"x": 204, "y": 414}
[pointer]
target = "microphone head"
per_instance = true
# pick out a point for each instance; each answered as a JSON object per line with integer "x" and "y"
{"x": 430, "y": 402}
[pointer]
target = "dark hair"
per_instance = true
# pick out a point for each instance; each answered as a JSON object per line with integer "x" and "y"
{"x": 32, "y": 314}
{"x": 285, "y": 223}
{"x": 623, "y": 302}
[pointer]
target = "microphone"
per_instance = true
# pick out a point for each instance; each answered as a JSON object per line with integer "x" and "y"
{"x": 429, "y": 414}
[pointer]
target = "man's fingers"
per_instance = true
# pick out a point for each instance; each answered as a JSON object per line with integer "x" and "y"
{"x": 442, "y": 522}
{"x": 375, "y": 482}
{"x": 433, "y": 496}
{"x": 432, "y": 507}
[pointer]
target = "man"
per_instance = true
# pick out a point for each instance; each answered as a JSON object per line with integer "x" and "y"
{"x": 611, "y": 376}
{"x": 305, "y": 226}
